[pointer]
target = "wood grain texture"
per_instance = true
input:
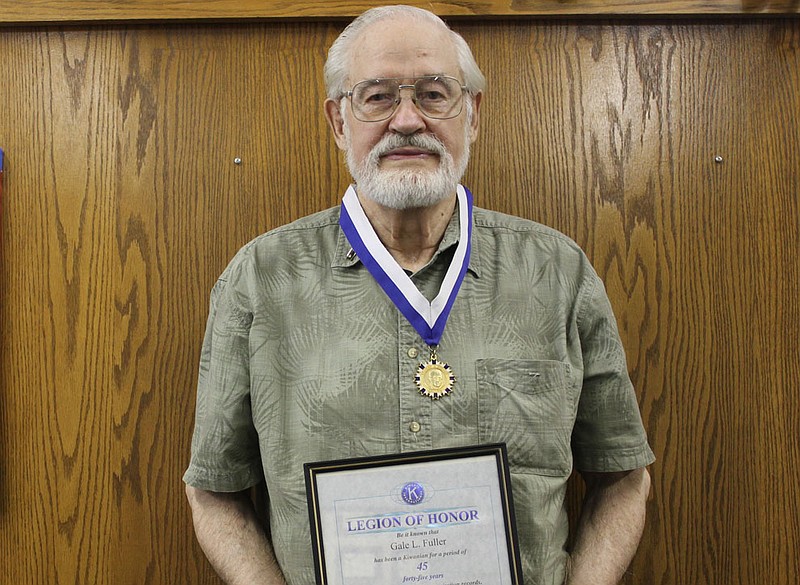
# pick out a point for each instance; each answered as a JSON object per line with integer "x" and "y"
{"x": 619, "y": 137}
{"x": 59, "y": 11}
{"x": 122, "y": 204}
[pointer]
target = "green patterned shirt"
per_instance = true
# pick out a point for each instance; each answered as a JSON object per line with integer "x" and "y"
{"x": 306, "y": 359}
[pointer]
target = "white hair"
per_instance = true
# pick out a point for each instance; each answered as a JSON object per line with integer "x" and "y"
{"x": 404, "y": 188}
{"x": 338, "y": 64}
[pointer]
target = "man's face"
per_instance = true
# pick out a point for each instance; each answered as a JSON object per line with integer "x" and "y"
{"x": 406, "y": 49}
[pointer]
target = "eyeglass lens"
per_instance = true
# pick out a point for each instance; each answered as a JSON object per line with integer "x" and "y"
{"x": 437, "y": 97}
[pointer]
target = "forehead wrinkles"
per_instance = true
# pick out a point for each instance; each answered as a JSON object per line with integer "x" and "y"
{"x": 395, "y": 44}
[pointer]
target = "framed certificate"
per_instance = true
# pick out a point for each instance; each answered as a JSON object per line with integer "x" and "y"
{"x": 443, "y": 516}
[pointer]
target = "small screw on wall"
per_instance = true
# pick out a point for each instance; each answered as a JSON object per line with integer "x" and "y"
{"x": 718, "y": 159}
{"x": 237, "y": 161}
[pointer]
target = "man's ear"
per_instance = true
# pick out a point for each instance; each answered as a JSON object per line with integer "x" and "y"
{"x": 333, "y": 114}
{"x": 476, "y": 117}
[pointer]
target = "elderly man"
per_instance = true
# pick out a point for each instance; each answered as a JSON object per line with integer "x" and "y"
{"x": 323, "y": 341}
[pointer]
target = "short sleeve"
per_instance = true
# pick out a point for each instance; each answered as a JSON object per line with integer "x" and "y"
{"x": 225, "y": 455}
{"x": 608, "y": 435}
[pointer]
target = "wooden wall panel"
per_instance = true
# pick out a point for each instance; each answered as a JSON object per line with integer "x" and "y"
{"x": 123, "y": 203}
{"x": 616, "y": 145}
{"x": 64, "y": 11}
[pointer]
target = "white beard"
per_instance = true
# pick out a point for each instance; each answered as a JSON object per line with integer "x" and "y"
{"x": 406, "y": 188}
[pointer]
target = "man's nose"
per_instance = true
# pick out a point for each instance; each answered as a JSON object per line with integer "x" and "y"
{"x": 407, "y": 118}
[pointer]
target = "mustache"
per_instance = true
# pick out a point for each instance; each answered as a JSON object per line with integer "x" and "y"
{"x": 392, "y": 142}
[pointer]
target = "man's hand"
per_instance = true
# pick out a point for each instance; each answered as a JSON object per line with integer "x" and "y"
{"x": 610, "y": 527}
{"x": 232, "y": 538}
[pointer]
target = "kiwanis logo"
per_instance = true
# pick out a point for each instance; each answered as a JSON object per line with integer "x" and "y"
{"x": 412, "y": 493}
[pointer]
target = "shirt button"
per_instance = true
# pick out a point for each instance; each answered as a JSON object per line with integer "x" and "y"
{"x": 414, "y": 427}
{"x": 413, "y": 352}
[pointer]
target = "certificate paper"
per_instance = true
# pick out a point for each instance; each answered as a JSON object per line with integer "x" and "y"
{"x": 443, "y": 516}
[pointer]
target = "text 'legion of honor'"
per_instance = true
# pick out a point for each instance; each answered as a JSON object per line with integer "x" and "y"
{"x": 425, "y": 519}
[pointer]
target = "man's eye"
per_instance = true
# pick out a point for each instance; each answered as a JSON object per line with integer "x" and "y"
{"x": 431, "y": 96}
{"x": 378, "y": 98}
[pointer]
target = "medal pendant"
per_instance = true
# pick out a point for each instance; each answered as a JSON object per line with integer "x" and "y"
{"x": 434, "y": 378}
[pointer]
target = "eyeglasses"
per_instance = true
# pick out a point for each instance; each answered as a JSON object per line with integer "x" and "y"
{"x": 436, "y": 96}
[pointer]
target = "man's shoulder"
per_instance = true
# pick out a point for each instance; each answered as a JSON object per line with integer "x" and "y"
{"x": 495, "y": 222}
{"x": 310, "y": 226}
{"x": 514, "y": 249}
{"x": 307, "y": 224}
{"x": 291, "y": 242}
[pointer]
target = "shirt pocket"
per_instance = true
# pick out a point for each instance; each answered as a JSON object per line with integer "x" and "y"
{"x": 526, "y": 404}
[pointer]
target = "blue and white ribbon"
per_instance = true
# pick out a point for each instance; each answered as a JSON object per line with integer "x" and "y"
{"x": 428, "y": 318}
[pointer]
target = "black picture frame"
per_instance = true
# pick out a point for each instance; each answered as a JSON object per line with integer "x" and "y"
{"x": 408, "y": 465}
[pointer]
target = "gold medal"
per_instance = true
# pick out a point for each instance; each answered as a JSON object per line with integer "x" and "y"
{"x": 434, "y": 378}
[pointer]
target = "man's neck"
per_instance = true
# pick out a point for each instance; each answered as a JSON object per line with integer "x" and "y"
{"x": 411, "y": 236}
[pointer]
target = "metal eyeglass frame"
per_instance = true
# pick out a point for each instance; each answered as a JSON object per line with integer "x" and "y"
{"x": 401, "y": 86}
